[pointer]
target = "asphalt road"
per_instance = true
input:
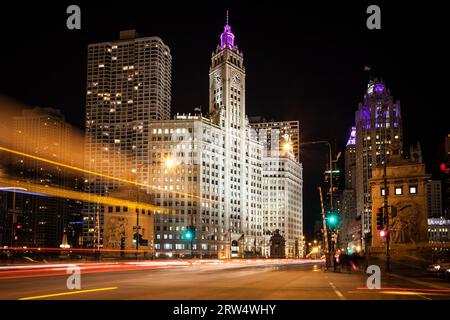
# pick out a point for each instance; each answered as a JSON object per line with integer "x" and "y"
{"x": 211, "y": 280}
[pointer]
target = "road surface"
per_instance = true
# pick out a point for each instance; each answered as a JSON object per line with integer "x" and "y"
{"x": 209, "y": 279}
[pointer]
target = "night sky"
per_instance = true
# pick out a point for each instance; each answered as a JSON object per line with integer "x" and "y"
{"x": 303, "y": 62}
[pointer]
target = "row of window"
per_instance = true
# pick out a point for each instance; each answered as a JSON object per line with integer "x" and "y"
{"x": 398, "y": 191}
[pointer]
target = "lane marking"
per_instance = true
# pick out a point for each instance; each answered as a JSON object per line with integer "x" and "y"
{"x": 67, "y": 293}
{"x": 430, "y": 285}
{"x": 406, "y": 289}
{"x": 338, "y": 293}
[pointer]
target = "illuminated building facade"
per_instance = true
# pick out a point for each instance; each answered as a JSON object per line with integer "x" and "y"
{"x": 128, "y": 85}
{"x": 282, "y": 201}
{"x": 190, "y": 177}
{"x": 282, "y": 183}
{"x": 378, "y": 124}
{"x": 209, "y": 171}
{"x": 273, "y": 134}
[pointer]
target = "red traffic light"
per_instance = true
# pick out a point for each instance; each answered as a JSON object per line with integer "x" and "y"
{"x": 19, "y": 226}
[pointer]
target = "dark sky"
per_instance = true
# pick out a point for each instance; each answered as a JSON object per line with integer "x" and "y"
{"x": 303, "y": 61}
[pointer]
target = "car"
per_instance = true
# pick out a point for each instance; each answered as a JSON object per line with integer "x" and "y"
{"x": 438, "y": 269}
{"x": 447, "y": 274}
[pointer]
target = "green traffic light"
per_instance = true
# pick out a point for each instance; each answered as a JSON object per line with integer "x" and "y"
{"x": 332, "y": 220}
{"x": 188, "y": 235}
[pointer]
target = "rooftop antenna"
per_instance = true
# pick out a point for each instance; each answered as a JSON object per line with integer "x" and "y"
{"x": 227, "y": 16}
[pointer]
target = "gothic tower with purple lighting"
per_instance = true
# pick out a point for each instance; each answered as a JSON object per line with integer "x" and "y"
{"x": 378, "y": 126}
{"x": 227, "y": 83}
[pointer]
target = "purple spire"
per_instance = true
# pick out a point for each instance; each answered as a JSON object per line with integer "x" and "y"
{"x": 227, "y": 37}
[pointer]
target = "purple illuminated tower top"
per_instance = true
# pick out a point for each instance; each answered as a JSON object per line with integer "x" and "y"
{"x": 227, "y": 37}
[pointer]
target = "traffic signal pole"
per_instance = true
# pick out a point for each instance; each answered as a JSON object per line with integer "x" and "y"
{"x": 385, "y": 205}
{"x": 386, "y": 217}
{"x": 325, "y": 233}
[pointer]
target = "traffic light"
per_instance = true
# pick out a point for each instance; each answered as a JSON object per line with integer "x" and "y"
{"x": 383, "y": 233}
{"x": 332, "y": 220}
{"x": 189, "y": 234}
{"x": 380, "y": 218}
{"x": 137, "y": 237}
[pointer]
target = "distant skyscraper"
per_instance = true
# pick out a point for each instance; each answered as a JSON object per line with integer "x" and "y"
{"x": 350, "y": 160}
{"x": 40, "y": 220}
{"x": 128, "y": 85}
{"x": 350, "y": 236}
{"x": 378, "y": 124}
{"x": 434, "y": 199}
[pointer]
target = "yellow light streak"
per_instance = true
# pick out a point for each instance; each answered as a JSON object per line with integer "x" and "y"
{"x": 56, "y": 163}
{"x": 81, "y": 196}
{"x": 68, "y": 293}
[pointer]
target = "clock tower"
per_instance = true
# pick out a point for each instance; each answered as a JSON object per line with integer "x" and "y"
{"x": 227, "y": 83}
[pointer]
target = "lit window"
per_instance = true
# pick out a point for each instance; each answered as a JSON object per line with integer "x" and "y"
{"x": 101, "y": 65}
{"x": 398, "y": 190}
{"x": 382, "y": 191}
{"x": 412, "y": 189}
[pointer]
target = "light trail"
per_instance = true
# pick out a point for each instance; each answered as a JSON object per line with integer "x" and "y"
{"x": 56, "y": 163}
{"x": 54, "y": 270}
{"x": 68, "y": 293}
{"x": 81, "y": 196}
{"x": 405, "y": 289}
{"x": 87, "y": 250}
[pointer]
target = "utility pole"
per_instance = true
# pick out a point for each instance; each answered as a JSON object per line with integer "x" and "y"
{"x": 325, "y": 233}
{"x": 330, "y": 166}
{"x": 385, "y": 203}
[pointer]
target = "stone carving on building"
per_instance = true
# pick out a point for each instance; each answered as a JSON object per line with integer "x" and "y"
{"x": 404, "y": 227}
{"x": 115, "y": 232}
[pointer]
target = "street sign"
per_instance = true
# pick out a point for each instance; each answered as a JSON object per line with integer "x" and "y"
{"x": 137, "y": 227}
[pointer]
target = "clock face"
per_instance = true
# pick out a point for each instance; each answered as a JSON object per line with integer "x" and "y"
{"x": 217, "y": 78}
{"x": 236, "y": 78}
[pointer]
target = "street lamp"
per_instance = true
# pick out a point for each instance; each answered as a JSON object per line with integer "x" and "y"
{"x": 169, "y": 163}
{"x": 287, "y": 146}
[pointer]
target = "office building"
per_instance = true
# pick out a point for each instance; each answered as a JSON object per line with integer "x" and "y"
{"x": 128, "y": 85}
